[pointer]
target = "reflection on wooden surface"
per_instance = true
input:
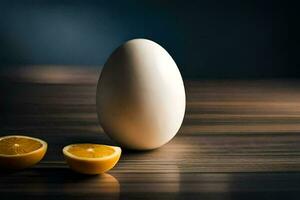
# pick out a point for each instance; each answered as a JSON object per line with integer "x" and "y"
{"x": 230, "y": 127}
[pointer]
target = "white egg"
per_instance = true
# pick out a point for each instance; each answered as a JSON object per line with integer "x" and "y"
{"x": 140, "y": 96}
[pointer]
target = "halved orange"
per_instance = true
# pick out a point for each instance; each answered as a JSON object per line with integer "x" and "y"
{"x": 91, "y": 158}
{"x": 19, "y": 152}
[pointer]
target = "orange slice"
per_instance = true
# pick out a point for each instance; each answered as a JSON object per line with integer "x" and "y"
{"x": 91, "y": 158}
{"x": 19, "y": 152}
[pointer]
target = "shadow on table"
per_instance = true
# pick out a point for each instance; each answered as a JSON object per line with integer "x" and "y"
{"x": 57, "y": 183}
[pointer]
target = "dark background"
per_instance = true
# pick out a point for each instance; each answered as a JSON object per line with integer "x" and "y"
{"x": 207, "y": 39}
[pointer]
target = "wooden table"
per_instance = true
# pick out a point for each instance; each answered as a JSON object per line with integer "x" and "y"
{"x": 239, "y": 139}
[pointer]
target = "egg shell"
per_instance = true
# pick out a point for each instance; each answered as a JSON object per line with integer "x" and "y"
{"x": 140, "y": 96}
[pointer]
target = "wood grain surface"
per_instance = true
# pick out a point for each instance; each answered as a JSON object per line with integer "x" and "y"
{"x": 240, "y": 139}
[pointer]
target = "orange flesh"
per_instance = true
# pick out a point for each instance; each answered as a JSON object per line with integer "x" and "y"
{"x": 90, "y": 150}
{"x": 16, "y": 146}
